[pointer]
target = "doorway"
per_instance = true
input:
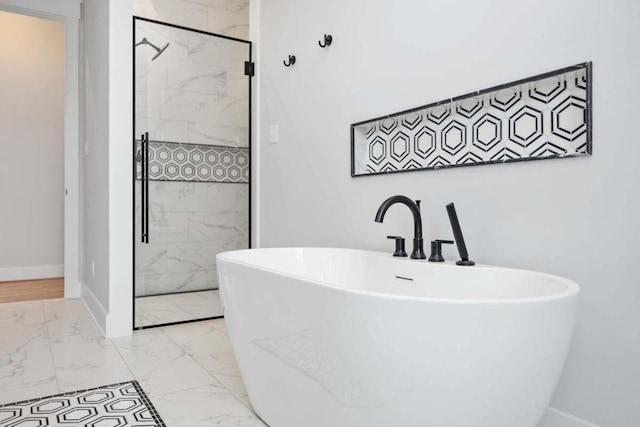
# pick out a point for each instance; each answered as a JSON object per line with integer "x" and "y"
{"x": 32, "y": 159}
{"x": 68, "y": 14}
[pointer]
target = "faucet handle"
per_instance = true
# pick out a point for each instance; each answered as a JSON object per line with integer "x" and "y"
{"x": 436, "y": 249}
{"x": 399, "y": 252}
{"x": 418, "y": 203}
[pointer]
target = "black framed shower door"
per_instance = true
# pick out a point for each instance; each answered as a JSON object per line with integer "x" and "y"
{"x": 191, "y": 166}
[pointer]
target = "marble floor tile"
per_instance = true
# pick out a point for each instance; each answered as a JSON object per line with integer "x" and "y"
{"x": 74, "y": 330}
{"x": 157, "y": 310}
{"x": 247, "y": 402}
{"x": 74, "y": 378}
{"x": 159, "y": 364}
{"x": 199, "y": 338}
{"x": 20, "y": 338}
{"x": 188, "y": 370}
{"x": 200, "y": 304}
{"x": 204, "y": 406}
{"x": 28, "y": 313}
{"x": 175, "y": 282}
{"x": 28, "y": 393}
{"x": 182, "y": 373}
{"x": 163, "y": 309}
{"x": 84, "y": 361}
{"x": 220, "y": 325}
{"x": 22, "y": 374}
{"x": 224, "y": 368}
{"x": 56, "y": 309}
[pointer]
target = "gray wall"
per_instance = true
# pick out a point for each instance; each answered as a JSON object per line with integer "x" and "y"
{"x": 108, "y": 127}
{"x": 96, "y": 161}
{"x": 31, "y": 147}
{"x": 573, "y": 217}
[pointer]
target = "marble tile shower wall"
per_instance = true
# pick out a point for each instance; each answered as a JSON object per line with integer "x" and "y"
{"x": 190, "y": 222}
{"x": 195, "y": 92}
{"x": 228, "y": 17}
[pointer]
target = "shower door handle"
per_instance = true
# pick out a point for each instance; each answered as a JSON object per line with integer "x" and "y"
{"x": 145, "y": 187}
{"x": 141, "y": 163}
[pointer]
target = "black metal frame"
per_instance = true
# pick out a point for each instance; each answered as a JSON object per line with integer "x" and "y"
{"x": 586, "y": 65}
{"x": 135, "y": 168}
{"x": 193, "y": 291}
{"x": 182, "y": 322}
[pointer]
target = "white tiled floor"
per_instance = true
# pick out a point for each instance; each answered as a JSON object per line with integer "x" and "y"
{"x": 188, "y": 371}
{"x": 162, "y": 309}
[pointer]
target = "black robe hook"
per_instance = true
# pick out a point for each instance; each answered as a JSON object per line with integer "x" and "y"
{"x": 292, "y": 60}
{"x": 328, "y": 39}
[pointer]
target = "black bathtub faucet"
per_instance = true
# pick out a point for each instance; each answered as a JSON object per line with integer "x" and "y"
{"x": 414, "y": 207}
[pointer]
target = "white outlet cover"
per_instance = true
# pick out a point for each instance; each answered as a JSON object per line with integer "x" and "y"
{"x": 273, "y": 134}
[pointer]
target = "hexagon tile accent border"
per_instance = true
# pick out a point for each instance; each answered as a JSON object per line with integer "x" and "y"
{"x": 173, "y": 161}
{"x": 542, "y": 117}
{"x": 115, "y": 405}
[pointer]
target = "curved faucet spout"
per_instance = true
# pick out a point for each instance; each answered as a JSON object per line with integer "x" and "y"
{"x": 414, "y": 207}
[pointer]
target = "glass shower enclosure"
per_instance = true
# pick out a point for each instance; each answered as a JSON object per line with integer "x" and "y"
{"x": 191, "y": 167}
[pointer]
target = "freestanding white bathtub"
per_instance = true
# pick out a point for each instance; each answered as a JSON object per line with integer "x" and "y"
{"x": 350, "y": 338}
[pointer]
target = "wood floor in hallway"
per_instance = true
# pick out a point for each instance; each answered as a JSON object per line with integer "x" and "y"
{"x": 31, "y": 290}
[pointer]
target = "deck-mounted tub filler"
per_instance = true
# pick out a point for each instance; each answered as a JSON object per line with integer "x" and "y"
{"x": 351, "y": 338}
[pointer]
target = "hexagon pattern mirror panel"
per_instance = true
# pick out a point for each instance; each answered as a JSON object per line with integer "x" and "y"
{"x": 542, "y": 117}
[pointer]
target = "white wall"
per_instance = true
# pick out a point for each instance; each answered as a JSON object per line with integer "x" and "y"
{"x": 108, "y": 186}
{"x": 96, "y": 135}
{"x": 120, "y": 320}
{"x": 31, "y": 147}
{"x": 574, "y": 217}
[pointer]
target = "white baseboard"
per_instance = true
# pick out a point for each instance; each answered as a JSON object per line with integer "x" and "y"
{"x": 31, "y": 273}
{"x": 95, "y": 307}
{"x": 556, "y": 418}
{"x": 110, "y": 325}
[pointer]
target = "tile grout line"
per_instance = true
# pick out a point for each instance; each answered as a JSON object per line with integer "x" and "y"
{"x": 123, "y": 359}
{"x": 190, "y": 356}
{"x": 214, "y": 377}
{"x": 71, "y": 319}
{"x": 53, "y": 362}
{"x": 184, "y": 353}
{"x": 200, "y": 365}
{"x": 238, "y": 398}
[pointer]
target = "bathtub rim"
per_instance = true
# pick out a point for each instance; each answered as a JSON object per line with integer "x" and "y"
{"x": 572, "y": 291}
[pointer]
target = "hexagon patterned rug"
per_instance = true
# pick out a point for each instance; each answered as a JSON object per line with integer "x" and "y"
{"x": 114, "y": 405}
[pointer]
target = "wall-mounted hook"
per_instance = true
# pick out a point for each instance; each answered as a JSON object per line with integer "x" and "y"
{"x": 292, "y": 60}
{"x": 328, "y": 39}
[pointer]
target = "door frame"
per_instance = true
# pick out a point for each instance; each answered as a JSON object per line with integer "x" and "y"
{"x": 69, "y": 13}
